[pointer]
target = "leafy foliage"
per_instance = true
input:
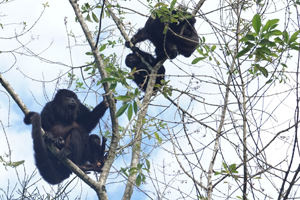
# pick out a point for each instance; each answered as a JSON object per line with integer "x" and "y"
{"x": 141, "y": 178}
{"x": 206, "y": 51}
{"x": 167, "y": 15}
{"x": 264, "y": 47}
{"x": 230, "y": 170}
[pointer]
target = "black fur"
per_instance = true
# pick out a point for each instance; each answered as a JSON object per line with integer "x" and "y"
{"x": 141, "y": 74}
{"x": 67, "y": 123}
{"x": 184, "y": 43}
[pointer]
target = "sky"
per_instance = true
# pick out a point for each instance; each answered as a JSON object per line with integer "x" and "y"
{"x": 48, "y": 39}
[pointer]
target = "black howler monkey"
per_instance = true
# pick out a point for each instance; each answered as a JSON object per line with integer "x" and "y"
{"x": 96, "y": 154}
{"x": 176, "y": 40}
{"x": 142, "y": 72}
{"x": 66, "y": 122}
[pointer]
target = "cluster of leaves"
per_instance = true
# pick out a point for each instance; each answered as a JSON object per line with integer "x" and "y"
{"x": 157, "y": 126}
{"x": 164, "y": 88}
{"x": 205, "y": 51}
{"x": 110, "y": 60}
{"x": 228, "y": 170}
{"x": 131, "y": 103}
{"x": 78, "y": 83}
{"x": 169, "y": 15}
{"x": 261, "y": 44}
{"x": 131, "y": 99}
{"x": 141, "y": 178}
{"x": 87, "y": 9}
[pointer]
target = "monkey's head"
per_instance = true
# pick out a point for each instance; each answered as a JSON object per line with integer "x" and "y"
{"x": 67, "y": 99}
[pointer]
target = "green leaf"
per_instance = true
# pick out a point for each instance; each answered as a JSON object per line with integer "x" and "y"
{"x": 139, "y": 104}
{"x": 159, "y": 140}
{"x": 273, "y": 55}
{"x": 148, "y": 164}
{"x": 132, "y": 170}
{"x": 136, "y": 91}
{"x": 232, "y": 167}
{"x": 273, "y": 26}
{"x": 196, "y": 60}
{"x": 139, "y": 166}
{"x": 135, "y": 107}
{"x": 263, "y": 71}
{"x": 173, "y": 20}
{"x": 213, "y": 48}
{"x": 224, "y": 165}
{"x": 200, "y": 51}
{"x": 249, "y": 45}
{"x": 243, "y": 52}
{"x": 87, "y": 5}
{"x": 248, "y": 37}
{"x": 270, "y": 23}
{"x": 123, "y": 170}
{"x": 87, "y": 68}
{"x": 295, "y": 48}
{"x": 138, "y": 180}
{"x": 88, "y": 18}
{"x": 294, "y": 37}
{"x": 264, "y": 42}
{"x": 107, "y": 13}
{"x": 123, "y": 98}
{"x": 17, "y": 163}
{"x": 256, "y": 23}
{"x": 129, "y": 114}
{"x": 244, "y": 39}
{"x": 269, "y": 81}
{"x": 251, "y": 37}
{"x": 157, "y": 85}
{"x": 122, "y": 110}
{"x": 263, "y": 50}
{"x": 107, "y": 80}
{"x": 103, "y": 47}
{"x": 285, "y": 36}
{"x": 172, "y": 5}
{"x": 218, "y": 173}
{"x": 272, "y": 44}
{"x": 95, "y": 18}
{"x": 278, "y": 40}
{"x": 113, "y": 86}
{"x": 275, "y": 32}
{"x": 165, "y": 29}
